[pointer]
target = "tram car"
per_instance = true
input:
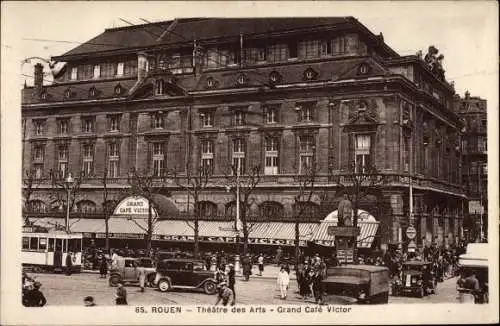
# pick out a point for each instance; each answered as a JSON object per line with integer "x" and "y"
{"x": 45, "y": 250}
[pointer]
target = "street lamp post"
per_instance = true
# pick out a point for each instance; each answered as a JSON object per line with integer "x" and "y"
{"x": 68, "y": 182}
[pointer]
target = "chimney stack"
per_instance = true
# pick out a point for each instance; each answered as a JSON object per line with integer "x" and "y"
{"x": 38, "y": 78}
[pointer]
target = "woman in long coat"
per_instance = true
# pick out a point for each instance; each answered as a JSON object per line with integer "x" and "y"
{"x": 103, "y": 267}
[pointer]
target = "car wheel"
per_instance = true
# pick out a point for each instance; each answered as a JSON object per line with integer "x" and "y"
{"x": 113, "y": 280}
{"x": 210, "y": 287}
{"x": 164, "y": 285}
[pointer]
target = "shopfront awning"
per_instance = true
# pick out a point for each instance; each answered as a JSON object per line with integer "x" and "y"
{"x": 367, "y": 233}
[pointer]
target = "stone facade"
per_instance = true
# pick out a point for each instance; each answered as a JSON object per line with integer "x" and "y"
{"x": 363, "y": 104}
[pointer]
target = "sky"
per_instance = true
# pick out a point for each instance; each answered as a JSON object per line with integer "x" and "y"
{"x": 465, "y": 32}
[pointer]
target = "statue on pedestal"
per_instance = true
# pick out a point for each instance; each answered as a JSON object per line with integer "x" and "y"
{"x": 344, "y": 212}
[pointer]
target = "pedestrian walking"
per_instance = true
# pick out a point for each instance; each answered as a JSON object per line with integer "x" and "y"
{"x": 121, "y": 294}
{"x": 224, "y": 293}
{"x": 142, "y": 277}
{"x": 231, "y": 279}
{"x": 260, "y": 261}
{"x": 69, "y": 263}
{"x": 114, "y": 258}
{"x": 283, "y": 281}
{"x": 299, "y": 270}
{"x": 103, "y": 268}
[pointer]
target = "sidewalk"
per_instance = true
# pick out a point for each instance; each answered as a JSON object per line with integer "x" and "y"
{"x": 270, "y": 272}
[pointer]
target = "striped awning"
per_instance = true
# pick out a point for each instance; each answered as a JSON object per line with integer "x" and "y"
{"x": 367, "y": 233}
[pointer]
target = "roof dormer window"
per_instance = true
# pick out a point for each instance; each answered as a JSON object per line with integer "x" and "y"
{"x": 118, "y": 89}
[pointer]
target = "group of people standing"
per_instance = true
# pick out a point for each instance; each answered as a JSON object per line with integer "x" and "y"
{"x": 310, "y": 273}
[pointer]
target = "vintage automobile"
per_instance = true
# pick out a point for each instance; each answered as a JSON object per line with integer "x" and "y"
{"x": 361, "y": 284}
{"x": 184, "y": 274}
{"x": 416, "y": 278}
{"x": 473, "y": 262}
{"x": 127, "y": 270}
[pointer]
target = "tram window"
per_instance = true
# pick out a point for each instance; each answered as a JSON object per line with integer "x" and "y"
{"x": 43, "y": 244}
{"x": 26, "y": 243}
{"x": 65, "y": 245}
{"x": 75, "y": 245}
{"x": 51, "y": 244}
{"x": 34, "y": 243}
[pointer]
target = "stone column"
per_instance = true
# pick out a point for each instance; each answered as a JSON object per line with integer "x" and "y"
{"x": 395, "y": 200}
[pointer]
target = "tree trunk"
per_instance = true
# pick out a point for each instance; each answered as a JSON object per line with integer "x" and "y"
{"x": 149, "y": 233}
{"x": 196, "y": 240}
{"x": 244, "y": 224}
{"x": 297, "y": 245}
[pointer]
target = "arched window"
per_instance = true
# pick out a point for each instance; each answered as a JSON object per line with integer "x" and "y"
{"x": 85, "y": 206}
{"x": 306, "y": 211}
{"x": 37, "y": 206}
{"x": 231, "y": 209}
{"x": 271, "y": 210}
{"x": 207, "y": 209}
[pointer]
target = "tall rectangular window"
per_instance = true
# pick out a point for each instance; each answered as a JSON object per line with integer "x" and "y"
{"x": 114, "y": 122}
{"x": 97, "y": 71}
{"x": 239, "y": 154}
{"x": 113, "y": 160}
{"x": 38, "y": 170}
{"x": 207, "y": 118}
{"x": 406, "y": 153}
{"x": 74, "y": 73}
{"x": 482, "y": 144}
{"x": 271, "y": 156}
{"x": 157, "y": 121}
{"x": 88, "y": 159}
{"x": 306, "y": 153}
{"x": 326, "y": 47}
{"x": 362, "y": 153}
{"x": 207, "y": 155}
{"x": 119, "y": 68}
{"x": 62, "y": 126}
{"x": 38, "y": 153}
{"x": 239, "y": 118}
{"x": 62, "y": 160}
{"x": 88, "y": 124}
{"x": 158, "y": 159}
{"x": 306, "y": 112}
{"x": 39, "y": 127}
{"x": 271, "y": 115}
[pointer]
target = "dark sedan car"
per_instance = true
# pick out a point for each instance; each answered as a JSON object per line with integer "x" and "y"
{"x": 184, "y": 274}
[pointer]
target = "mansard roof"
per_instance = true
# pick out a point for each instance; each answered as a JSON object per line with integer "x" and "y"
{"x": 178, "y": 31}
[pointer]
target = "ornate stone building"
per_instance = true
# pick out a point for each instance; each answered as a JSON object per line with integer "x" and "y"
{"x": 276, "y": 93}
{"x": 473, "y": 111}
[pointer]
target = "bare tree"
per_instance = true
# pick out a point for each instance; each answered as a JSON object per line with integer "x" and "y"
{"x": 29, "y": 184}
{"x": 147, "y": 186}
{"x": 60, "y": 189}
{"x": 194, "y": 183}
{"x": 245, "y": 184}
{"x": 302, "y": 202}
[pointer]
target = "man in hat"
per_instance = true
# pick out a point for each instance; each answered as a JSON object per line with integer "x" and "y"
{"x": 69, "y": 263}
{"x": 231, "y": 278}
{"x": 260, "y": 261}
{"x": 224, "y": 293}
